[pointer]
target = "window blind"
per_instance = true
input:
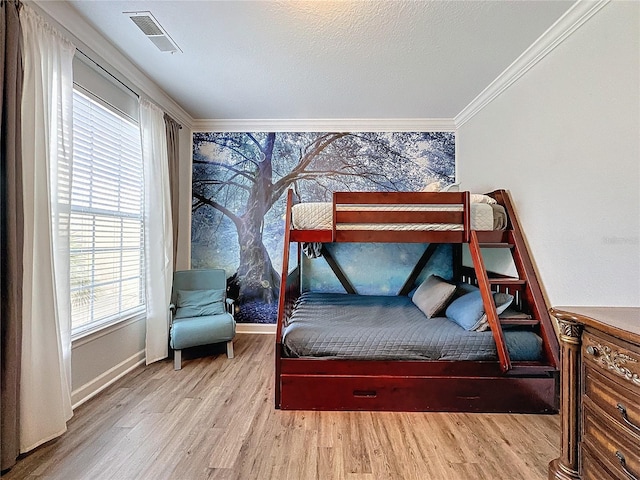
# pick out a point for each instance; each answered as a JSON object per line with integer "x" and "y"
{"x": 106, "y": 226}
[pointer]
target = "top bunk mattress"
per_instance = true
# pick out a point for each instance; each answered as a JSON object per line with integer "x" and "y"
{"x": 370, "y": 327}
{"x": 319, "y": 216}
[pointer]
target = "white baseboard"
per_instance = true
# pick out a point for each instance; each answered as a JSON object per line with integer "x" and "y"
{"x": 95, "y": 386}
{"x": 261, "y": 328}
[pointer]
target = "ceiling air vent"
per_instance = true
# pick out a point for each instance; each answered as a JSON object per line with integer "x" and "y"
{"x": 154, "y": 31}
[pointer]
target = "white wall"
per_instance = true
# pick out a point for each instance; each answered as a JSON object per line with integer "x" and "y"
{"x": 565, "y": 140}
{"x": 101, "y": 358}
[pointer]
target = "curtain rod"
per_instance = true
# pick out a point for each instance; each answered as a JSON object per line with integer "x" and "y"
{"x": 108, "y": 72}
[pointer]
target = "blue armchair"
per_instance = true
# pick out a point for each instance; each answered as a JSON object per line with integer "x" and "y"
{"x": 200, "y": 312}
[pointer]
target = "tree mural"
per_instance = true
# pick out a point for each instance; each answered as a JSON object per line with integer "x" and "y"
{"x": 239, "y": 181}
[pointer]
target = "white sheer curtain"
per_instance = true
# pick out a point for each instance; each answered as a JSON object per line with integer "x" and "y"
{"x": 45, "y": 390}
{"x": 158, "y": 231}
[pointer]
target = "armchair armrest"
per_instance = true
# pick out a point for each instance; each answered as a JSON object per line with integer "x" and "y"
{"x": 171, "y": 313}
{"x": 229, "y": 303}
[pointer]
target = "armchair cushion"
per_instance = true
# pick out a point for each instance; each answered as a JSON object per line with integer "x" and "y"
{"x": 191, "y": 332}
{"x": 198, "y": 303}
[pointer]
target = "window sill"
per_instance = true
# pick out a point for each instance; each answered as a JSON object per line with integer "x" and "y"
{"x": 91, "y": 334}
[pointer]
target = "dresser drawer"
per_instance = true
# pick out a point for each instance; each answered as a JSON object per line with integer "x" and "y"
{"x": 617, "y": 401}
{"x": 617, "y": 449}
{"x": 618, "y": 360}
{"x": 592, "y": 469}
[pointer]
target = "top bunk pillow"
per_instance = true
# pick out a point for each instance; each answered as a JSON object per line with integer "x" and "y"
{"x": 480, "y": 198}
{"x": 433, "y": 187}
{"x": 468, "y": 310}
{"x": 199, "y": 303}
{"x": 432, "y": 295}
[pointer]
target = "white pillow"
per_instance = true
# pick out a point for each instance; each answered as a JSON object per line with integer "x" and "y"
{"x": 480, "y": 198}
{"x": 433, "y": 187}
{"x": 452, "y": 187}
{"x": 432, "y": 295}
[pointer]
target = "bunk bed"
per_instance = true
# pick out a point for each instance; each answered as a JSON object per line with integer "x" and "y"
{"x": 357, "y": 352}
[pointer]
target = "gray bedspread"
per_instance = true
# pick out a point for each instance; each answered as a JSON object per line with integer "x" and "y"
{"x": 372, "y": 327}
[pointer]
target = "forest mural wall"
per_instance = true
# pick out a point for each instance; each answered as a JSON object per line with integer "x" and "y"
{"x": 239, "y": 190}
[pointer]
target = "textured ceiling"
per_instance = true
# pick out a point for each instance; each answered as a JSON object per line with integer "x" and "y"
{"x": 324, "y": 59}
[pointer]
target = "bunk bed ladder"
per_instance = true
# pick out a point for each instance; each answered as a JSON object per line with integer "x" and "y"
{"x": 526, "y": 287}
{"x": 484, "y": 283}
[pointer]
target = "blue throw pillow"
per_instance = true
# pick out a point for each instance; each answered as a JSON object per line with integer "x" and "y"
{"x": 468, "y": 310}
{"x": 199, "y": 303}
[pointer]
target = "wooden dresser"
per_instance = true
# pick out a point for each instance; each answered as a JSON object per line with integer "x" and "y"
{"x": 600, "y": 393}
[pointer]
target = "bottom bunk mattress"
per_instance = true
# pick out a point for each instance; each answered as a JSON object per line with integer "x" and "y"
{"x": 371, "y": 327}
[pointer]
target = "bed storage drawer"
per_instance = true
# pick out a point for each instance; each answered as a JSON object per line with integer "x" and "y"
{"x": 393, "y": 393}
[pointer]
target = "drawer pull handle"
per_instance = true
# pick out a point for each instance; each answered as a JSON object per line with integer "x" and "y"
{"x": 591, "y": 350}
{"x": 625, "y": 418}
{"x": 365, "y": 393}
{"x": 623, "y": 464}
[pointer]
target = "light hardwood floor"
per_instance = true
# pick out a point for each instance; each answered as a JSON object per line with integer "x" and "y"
{"x": 215, "y": 419}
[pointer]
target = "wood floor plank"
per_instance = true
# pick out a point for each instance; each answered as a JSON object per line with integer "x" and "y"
{"x": 214, "y": 419}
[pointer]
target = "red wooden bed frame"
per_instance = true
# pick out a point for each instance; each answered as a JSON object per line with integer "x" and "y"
{"x": 429, "y": 385}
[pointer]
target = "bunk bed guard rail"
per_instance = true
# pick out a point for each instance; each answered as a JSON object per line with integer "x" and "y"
{"x": 401, "y": 217}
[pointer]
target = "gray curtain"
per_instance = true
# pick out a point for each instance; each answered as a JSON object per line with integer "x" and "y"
{"x": 12, "y": 231}
{"x": 172, "y": 129}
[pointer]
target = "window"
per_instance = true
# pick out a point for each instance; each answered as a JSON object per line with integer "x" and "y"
{"x": 106, "y": 227}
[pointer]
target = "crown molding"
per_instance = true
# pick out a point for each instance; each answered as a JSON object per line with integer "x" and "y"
{"x": 577, "y": 15}
{"x": 327, "y": 125}
{"x": 103, "y": 52}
